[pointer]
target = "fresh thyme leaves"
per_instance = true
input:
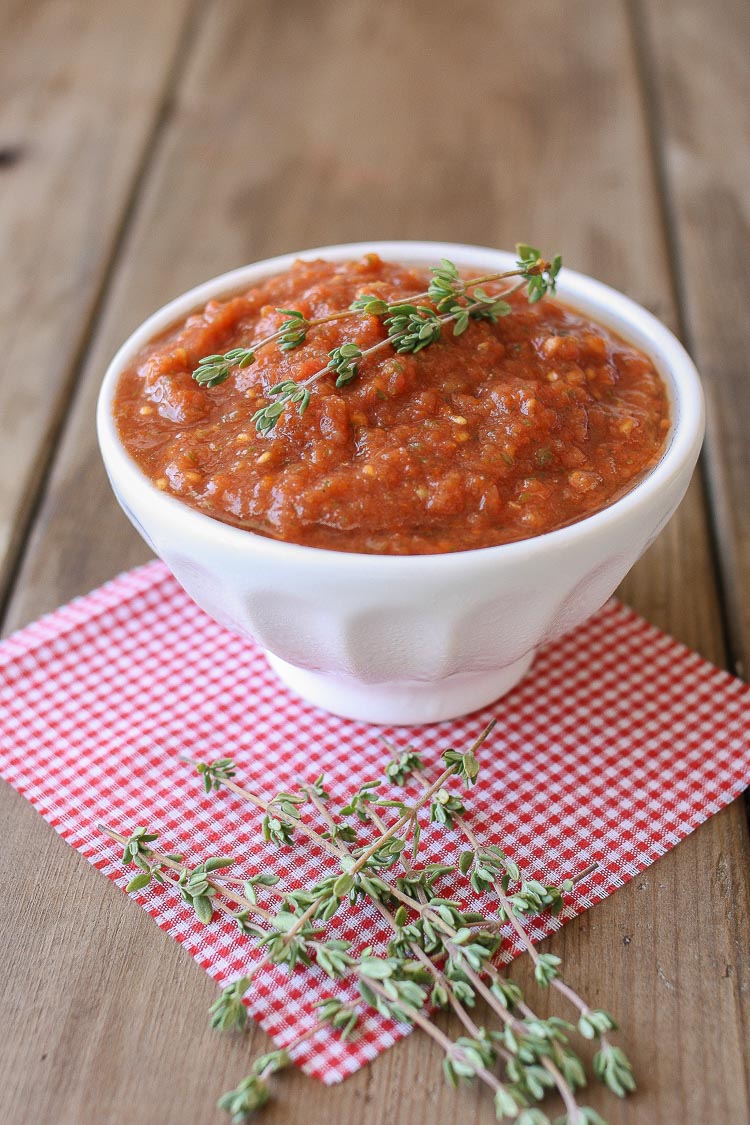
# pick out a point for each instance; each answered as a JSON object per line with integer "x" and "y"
{"x": 216, "y": 773}
{"x": 276, "y": 831}
{"x": 542, "y": 276}
{"x": 285, "y": 392}
{"x": 411, "y": 326}
{"x": 342, "y": 1017}
{"x": 465, "y": 764}
{"x": 442, "y": 949}
{"x": 197, "y": 889}
{"x": 467, "y": 301}
{"x": 371, "y": 306}
{"x": 228, "y": 1012}
{"x": 445, "y": 807}
{"x": 358, "y": 802}
{"x": 611, "y": 1066}
{"x": 214, "y": 369}
{"x": 293, "y": 331}
{"x": 398, "y": 771}
{"x": 345, "y": 362}
{"x": 264, "y": 879}
{"x": 253, "y": 1091}
{"x": 251, "y": 1095}
{"x": 136, "y": 846}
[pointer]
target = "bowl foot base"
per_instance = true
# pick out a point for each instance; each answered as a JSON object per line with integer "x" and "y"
{"x": 401, "y": 704}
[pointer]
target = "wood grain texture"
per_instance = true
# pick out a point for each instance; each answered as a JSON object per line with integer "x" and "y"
{"x": 303, "y": 153}
{"x": 701, "y": 93}
{"x": 74, "y": 127}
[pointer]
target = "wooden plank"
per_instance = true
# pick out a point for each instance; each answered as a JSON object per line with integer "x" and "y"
{"x": 701, "y": 84}
{"x": 563, "y": 159}
{"x": 75, "y": 124}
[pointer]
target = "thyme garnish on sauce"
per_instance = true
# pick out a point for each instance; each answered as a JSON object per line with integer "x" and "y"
{"x": 411, "y": 326}
{"x": 442, "y": 950}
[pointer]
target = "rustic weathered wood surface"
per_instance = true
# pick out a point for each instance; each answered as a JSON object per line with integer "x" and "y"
{"x": 144, "y": 148}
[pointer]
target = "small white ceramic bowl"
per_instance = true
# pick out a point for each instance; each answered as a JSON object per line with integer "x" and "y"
{"x": 420, "y": 638}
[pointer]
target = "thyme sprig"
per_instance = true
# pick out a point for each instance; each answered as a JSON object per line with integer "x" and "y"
{"x": 410, "y": 327}
{"x": 442, "y": 951}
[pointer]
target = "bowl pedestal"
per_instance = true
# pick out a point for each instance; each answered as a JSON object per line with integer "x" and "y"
{"x": 405, "y": 703}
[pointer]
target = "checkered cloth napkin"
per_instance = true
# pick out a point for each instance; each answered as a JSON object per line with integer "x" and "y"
{"x": 617, "y": 745}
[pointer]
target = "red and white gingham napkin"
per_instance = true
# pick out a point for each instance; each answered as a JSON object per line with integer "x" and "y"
{"x": 618, "y": 744}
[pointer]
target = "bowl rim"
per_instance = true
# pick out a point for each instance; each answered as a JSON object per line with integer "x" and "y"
{"x": 580, "y": 292}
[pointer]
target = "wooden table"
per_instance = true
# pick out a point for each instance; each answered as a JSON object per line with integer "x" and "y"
{"x": 147, "y": 146}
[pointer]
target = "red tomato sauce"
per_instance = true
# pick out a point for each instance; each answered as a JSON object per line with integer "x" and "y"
{"x": 505, "y": 432}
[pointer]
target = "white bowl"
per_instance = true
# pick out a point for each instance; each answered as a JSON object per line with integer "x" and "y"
{"x": 410, "y": 639}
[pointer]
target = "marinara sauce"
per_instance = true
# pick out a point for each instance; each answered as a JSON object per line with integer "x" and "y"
{"x": 507, "y": 431}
